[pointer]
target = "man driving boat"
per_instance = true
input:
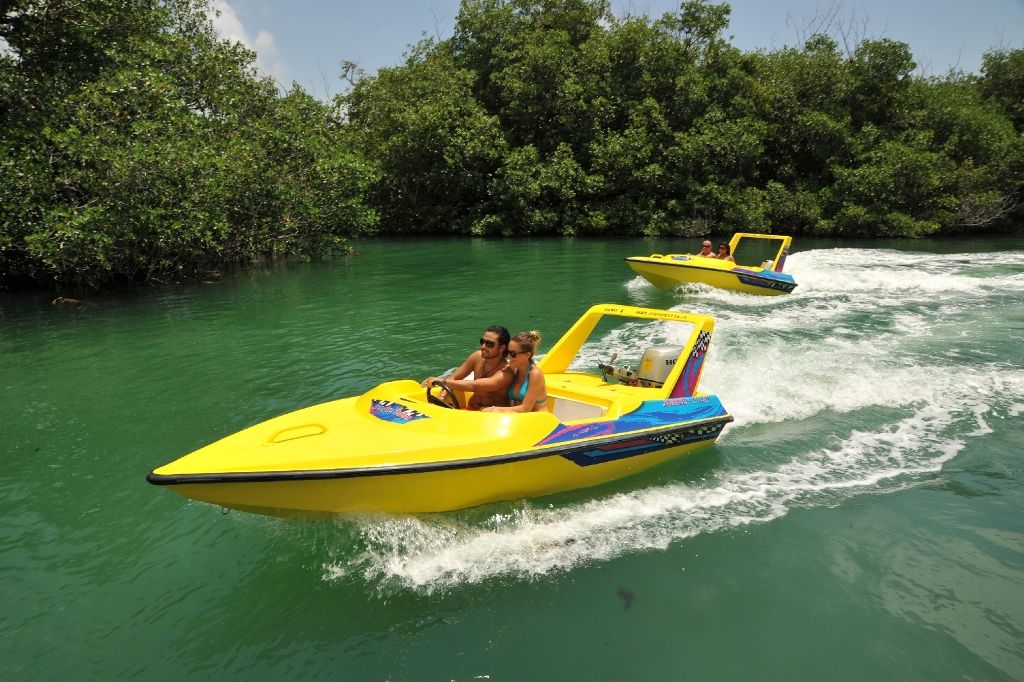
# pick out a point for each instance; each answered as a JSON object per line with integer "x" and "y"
{"x": 489, "y": 362}
{"x": 705, "y": 250}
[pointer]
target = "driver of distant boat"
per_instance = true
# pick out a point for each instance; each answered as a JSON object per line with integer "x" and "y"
{"x": 489, "y": 367}
{"x": 705, "y": 250}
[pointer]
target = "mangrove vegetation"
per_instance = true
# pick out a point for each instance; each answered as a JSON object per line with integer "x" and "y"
{"x": 136, "y": 146}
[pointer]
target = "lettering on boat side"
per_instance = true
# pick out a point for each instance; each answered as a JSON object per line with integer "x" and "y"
{"x": 391, "y": 411}
{"x": 660, "y": 314}
{"x": 649, "y": 313}
{"x": 683, "y": 401}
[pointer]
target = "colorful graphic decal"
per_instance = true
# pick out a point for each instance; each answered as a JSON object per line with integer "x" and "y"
{"x": 641, "y": 446}
{"x": 651, "y": 414}
{"x": 691, "y": 372}
{"x": 391, "y": 411}
{"x": 773, "y": 280}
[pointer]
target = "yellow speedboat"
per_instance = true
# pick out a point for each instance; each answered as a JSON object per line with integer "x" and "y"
{"x": 400, "y": 448}
{"x": 757, "y": 270}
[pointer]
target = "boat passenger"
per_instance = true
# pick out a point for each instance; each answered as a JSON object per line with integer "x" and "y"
{"x": 725, "y": 253}
{"x": 528, "y": 392}
{"x": 489, "y": 366}
{"x": 705, "y": 250}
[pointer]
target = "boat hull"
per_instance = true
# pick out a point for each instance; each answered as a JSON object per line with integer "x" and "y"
{"x": 413, "y": 491}
{"x": 669, "y": 272}
{"x": 397, "y": 449}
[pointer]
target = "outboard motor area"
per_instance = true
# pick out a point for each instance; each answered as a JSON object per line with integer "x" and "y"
{"x": 657, "y": 363}
{"x": 655, "y": 366}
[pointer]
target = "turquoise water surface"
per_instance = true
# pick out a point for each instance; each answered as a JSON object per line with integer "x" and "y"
{"x": 862, "y": 519}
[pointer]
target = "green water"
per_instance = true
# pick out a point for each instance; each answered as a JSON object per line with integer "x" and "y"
{"x": 863, "y": 518}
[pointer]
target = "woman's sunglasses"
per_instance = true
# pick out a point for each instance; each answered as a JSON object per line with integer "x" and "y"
{"x": 487, "y": 342}
{"x": 513, "y": 354}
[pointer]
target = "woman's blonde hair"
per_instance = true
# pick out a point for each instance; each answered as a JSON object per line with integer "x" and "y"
{"x": 528, "y": 340}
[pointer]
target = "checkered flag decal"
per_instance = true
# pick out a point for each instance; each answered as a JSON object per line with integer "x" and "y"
{"x": 676, "y": 437}
{"x": 669, "y": 438}
{"x": 703, "y": 341}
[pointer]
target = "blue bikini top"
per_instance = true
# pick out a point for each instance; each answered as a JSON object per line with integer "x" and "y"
{"x": 520, "y": 395}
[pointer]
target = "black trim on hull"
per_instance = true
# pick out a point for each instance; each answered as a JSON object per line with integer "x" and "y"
{"x": 712, "y": 427}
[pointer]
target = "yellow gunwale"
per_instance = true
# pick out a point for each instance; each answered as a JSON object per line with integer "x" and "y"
{"x": 560, "y": 450}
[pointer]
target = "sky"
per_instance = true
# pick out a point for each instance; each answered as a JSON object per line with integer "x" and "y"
{"x": 306, "y": 40}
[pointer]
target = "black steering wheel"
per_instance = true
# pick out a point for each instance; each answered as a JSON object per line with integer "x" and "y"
{"x": 448, "y": 398}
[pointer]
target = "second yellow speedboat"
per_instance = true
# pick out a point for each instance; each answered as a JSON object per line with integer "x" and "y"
{"x": 750, "y": 274}
{"x": 393, "y": 449}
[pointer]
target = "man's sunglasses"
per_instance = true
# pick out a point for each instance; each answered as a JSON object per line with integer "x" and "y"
{"x": 488, "y": 343}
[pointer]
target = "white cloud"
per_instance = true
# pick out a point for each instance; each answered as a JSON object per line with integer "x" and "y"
{"x": 228, "y": 26}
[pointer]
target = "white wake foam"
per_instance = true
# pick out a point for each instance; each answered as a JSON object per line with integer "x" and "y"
{"x": 437, "y": 552}
{"x": 873, "y": 361}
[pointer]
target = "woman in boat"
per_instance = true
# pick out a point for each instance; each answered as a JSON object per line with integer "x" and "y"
{"x": 528, "y": 391}
{"x": 725, "y": 253}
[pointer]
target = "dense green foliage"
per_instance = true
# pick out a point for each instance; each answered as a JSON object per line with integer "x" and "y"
{"x": 136, "y": 146}
{"x": 554, "y": 116}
